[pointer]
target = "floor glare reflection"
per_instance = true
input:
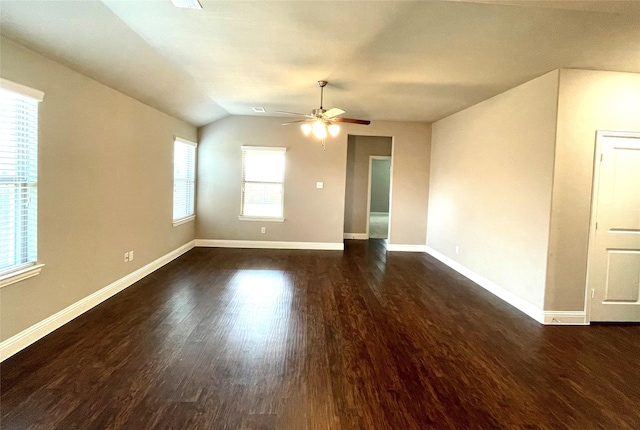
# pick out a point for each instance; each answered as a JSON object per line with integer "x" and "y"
{"x": 258, "y": 312}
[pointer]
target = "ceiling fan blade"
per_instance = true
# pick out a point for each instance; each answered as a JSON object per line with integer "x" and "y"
{"x": 352, "y": 121}
{"x": 293, "y": 122}
{"x": 294, "y": 113}
{"x": 333, "y": 113}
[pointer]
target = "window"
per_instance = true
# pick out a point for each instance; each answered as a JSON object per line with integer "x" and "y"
{"x": 18, "y": 181}
{"x": 184, "y": 181}
{"x": 263, "y": 183}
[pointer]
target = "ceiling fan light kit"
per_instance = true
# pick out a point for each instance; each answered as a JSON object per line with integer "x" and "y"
{"x": 322, "y": 122}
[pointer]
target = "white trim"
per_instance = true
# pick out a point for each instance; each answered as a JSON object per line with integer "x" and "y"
{"x": 21, "y": 89}
{"x": 369, "y": 196}
{"x": 266, "y": 244}
{"x": 592, "y": 219}
{"x": 260, "y": 218}
{"x": 565, "y": 318}
{"x": 184, "y": 220}
{"x": 264, "y": 148}
{"x": 514, "y": 300}
{"x": 37, "y": 331}
{"x": 357, "y": 236}
{"x": 20, "y": 275}
{"x": 185, "y": 141}
{"x": 393, "y": 160}
{"x": 406, "y": 248}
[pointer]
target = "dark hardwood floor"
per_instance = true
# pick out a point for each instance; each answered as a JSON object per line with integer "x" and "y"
{"x": 361, "y": 339}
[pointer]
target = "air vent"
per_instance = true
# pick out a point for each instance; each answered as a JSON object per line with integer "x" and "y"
{"x": 187, "y": 4}
{"x": 259, "y": 109}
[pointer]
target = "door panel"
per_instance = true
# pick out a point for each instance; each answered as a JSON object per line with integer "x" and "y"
{"x": 624, "y": 213}
{"x": 614, "y": 253}
{"x": 623, "y": 277}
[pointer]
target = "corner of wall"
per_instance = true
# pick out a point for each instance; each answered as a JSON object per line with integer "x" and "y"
{"x": 552, "y": 205}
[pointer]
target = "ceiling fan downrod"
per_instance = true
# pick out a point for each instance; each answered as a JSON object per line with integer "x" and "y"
{"x": 322, "y": 84}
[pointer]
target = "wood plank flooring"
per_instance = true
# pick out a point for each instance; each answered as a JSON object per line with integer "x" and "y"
{"x": 360, "y": 339}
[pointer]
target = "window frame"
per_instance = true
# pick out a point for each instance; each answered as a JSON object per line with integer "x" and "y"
{"x": 261, "y": 218}
{"x": 30, "y": 268}
{"x": 192, "y": 183}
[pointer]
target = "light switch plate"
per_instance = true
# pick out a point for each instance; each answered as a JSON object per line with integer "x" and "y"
{"x": 319, "y": 184}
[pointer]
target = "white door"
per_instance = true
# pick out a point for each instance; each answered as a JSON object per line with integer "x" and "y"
{"x": 614, "y": 250}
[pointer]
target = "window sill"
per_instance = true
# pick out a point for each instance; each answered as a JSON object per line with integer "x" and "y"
{"x": 260, "y": 218}
{"x": 183, "y": 220}
{"x": 20, "y": 275}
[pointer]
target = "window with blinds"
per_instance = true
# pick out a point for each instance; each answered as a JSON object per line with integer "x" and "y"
{"x": 18, "y": 177}
{"x": 263, "y": 182}
{"x": 184, "y": 181}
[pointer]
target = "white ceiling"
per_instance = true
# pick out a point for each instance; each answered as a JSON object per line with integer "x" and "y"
{"x": 397, "y": 60}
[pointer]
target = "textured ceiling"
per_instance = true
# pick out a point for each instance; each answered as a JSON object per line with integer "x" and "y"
{"x": 411, "y": 61}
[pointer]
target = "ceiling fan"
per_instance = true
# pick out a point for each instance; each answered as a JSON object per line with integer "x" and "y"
{"x": 322, "y": 121}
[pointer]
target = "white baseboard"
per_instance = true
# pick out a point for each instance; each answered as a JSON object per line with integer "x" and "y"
{"x": 266, "y": 244}
{"x": 37, "y": 331}
{"x": 357, "y": 236}
{"x": 406, "y": 248}
{"x": 515, "y": 301}
{"x": 565, "y": 318}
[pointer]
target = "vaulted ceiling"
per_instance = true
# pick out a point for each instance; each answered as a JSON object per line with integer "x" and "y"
{"x": 396, "y": 60}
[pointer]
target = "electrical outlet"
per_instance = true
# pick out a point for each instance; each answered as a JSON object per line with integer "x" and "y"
{"x": 263, "y": 230}
{"x": 130, "y": 255}
{"x": 126, "y": 257}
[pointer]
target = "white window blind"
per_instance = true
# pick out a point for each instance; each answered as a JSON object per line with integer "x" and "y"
{"x": 184, "y": 180}
{"x": 18, "y": 176}
{"x": 263, "y": 182}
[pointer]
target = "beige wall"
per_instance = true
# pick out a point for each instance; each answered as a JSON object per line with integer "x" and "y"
{"x": 588, "y": 101}
{"x": 105, "y": 187}
{"x": 410, "y": 177}
{"x": 359, "y": 149}
{"x": 312, "y": 215}
{"x": 491, "y": 181}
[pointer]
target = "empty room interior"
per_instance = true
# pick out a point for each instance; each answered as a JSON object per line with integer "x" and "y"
{"x": 319, "y": 215}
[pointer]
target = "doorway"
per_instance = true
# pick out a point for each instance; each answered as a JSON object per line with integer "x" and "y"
{"x": 357, "y": 199}
{"x": 613, "y": 277}
{"x": 379, "y": 190}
